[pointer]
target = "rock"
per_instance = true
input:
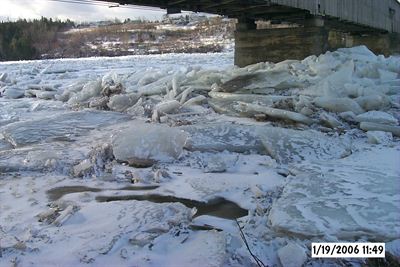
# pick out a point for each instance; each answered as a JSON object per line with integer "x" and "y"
{"x": 377, "y": 117}
{"x": 145, "y": 144}
{"x": 112, "y": 90}
{"x": 338, "y": 105}
{"x": 370, "y": 126}
{"x": 292, "y": 255}
{"x": 379, "y": 137}
{"x": 121, "y": 103}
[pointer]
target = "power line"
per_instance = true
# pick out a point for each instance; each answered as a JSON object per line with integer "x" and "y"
{"x": 106, "y": 4}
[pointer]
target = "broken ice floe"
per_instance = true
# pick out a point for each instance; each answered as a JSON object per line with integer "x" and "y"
{"x": 293, "y": 172}
{"x": 222, "y": 136}
{"x": 145, "y": 144}
{"x": 346, "y": 198}
{"x": 379, "y": 137}
{"x": 287, "y": 145}
{"x": 371, "y": 126}
{"x": 377, "y": 117}
{"x": 61, "y": 127}
{"x": 138, "y": 225}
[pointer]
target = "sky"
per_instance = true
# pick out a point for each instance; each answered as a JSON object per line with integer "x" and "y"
{"x": 31, "y": 9}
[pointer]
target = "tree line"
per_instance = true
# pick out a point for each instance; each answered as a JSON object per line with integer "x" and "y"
{"x": 29, "y": 39}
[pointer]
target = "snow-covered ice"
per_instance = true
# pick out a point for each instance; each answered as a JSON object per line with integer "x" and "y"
{"x": 157, "y": 160}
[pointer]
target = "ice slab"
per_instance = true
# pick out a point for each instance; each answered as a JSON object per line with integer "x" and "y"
{"x": 292, "y": 255}
{"x": 275, "y": 113}
{"x": 372, "y": 126}
{"x": 288, "y": 146}
{"x": 12, "y": 93}
{"x": 278, "y": 78}
{"x": 338, "y": 104}
{"x": 346, "y": 198}
{"x": 61, "y": 127}
{"x": 377, "y": 117}
{"x": 373, "y": 102}
{"x": 145, "y": 144}
{"x": 360, "y": 53}
{"x": 222, "y": 136}
{"x": 379, "y": 137}
{"x": 122, "y": 102}
{"x": 90, "y": 89}
{"x": 102, "y": 232}
{"x": 42, "y": 157}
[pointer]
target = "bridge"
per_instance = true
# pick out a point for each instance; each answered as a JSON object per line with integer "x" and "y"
{"x": 298, "y": 28}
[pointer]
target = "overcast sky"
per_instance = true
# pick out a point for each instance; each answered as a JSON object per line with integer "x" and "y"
{"x": 30, "y": 9}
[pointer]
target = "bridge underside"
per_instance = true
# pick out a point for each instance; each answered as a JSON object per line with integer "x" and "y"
{"x": 252, "y": 9}
{"x": 293, "y": 33}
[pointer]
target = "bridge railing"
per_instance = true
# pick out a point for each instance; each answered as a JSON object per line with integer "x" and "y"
{"x": 379, "y": 14}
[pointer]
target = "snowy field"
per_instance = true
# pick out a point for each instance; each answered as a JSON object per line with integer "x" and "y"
{"x": 157, "y": 160}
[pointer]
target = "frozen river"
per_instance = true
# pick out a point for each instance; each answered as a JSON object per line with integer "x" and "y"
{"x": 156, "y": 160}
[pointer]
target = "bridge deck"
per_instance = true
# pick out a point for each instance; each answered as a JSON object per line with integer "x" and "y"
{"x": 383, "y": 15}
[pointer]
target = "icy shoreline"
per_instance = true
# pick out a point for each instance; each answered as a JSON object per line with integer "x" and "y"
{"x": 149, "y": 160}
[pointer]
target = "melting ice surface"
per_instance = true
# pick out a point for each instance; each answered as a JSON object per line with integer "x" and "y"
{"x": 146, "y": 160}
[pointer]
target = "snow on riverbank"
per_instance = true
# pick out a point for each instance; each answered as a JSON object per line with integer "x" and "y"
{"x": 150, "y": 160}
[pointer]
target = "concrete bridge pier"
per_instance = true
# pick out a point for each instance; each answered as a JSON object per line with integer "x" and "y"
{"x": 276, "y": 44}
{"x": 313, "y": 37}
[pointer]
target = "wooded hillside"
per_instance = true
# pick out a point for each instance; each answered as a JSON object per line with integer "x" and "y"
{"x": 25, "y": 39}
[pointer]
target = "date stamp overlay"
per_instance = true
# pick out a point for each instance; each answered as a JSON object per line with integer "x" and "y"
{"x": 348, "y": 250}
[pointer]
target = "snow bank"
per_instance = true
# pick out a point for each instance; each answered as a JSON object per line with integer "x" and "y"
{"x": 139, "y": 224}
